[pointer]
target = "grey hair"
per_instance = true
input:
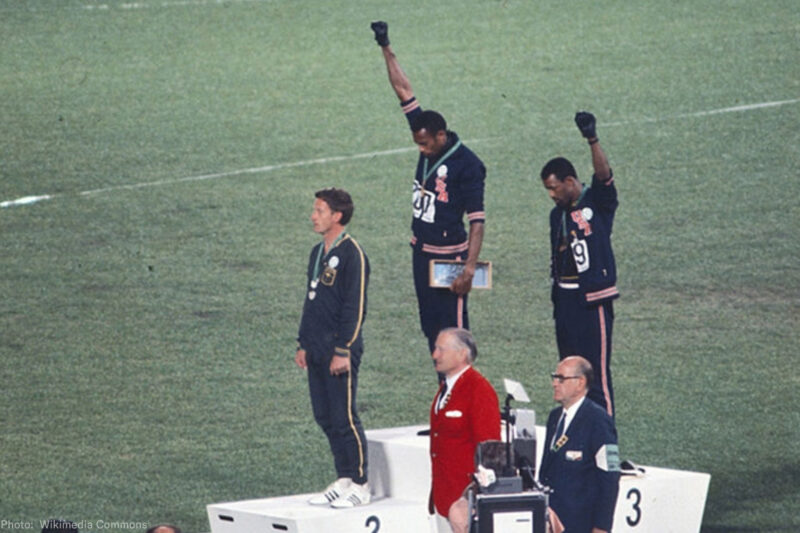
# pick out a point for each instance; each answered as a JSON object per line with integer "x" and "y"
{"x": 464, "y": 339}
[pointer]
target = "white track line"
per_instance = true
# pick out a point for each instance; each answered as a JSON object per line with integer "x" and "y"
{"x": 27, "y": 200}
{"x": 734, "y": 109}
{"x": 133, "y": 5}
{"x": 254, "y": 170}
{"x": 173, "y": 3}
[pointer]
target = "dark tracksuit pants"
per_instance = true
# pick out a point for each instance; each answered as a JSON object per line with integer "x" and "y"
{"x": 438, "y": 308}
{"x": 333, "y": 402}
{"x": 586, "y": 331}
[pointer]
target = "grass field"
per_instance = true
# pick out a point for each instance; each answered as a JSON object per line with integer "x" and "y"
{"x": 149, "y": 306}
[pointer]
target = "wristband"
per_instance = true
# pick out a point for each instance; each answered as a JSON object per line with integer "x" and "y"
{"x": 594, "y": 141}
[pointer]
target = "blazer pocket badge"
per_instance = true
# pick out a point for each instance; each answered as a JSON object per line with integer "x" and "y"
{"x": 453, "y": 414}
{"x": 574, "y": 455}
{"x": 328, "y": 276}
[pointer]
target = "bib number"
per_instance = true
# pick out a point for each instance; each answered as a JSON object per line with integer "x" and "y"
{"x": 580, "y": 251}
{"x": 424, "y": 203}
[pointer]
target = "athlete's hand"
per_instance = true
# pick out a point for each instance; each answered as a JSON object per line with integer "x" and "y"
{"x": 300, "y": 358}
{"x": 586, "y": 123}
{"x": 339, "y": 365}
{"x": 463, "y": 283}
{"x": 381, "y": 30}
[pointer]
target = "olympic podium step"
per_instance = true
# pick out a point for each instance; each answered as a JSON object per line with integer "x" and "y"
{"x": 293, "y": 514}
{"x": 658, "y": 500}
{"x": 661, "y": 500}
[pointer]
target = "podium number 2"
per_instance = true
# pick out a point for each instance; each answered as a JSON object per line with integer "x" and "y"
{"x": 637, "y": 497}
{"x": 373, "y": 521}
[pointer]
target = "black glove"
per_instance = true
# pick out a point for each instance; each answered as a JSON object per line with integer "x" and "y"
{"x": 586, "y": 123}
{"x": 381, "y": 30}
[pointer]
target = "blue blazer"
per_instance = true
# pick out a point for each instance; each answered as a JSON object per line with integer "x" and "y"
{"x": 584, "y": 484}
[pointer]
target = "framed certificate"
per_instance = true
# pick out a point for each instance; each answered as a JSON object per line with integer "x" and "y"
{"x": 444, "y": 271}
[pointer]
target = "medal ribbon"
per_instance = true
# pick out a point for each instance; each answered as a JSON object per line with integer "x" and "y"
{"x": 427, "y": 174}
{"x": 320, "y": 255}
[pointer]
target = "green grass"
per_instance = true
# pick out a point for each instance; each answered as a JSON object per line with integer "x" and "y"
{"x": 147, "y": 332}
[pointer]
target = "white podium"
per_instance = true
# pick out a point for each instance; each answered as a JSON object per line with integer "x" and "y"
{"x": 658, "y": 501}
{"x": 293, "y": 514}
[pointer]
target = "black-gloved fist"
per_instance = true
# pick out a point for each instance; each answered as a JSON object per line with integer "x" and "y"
{"x": 381, "y": 30}
{"x": 586, "y": 123}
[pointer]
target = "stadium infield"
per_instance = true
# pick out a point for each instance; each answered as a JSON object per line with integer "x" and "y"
{"x": 151, "y": 301}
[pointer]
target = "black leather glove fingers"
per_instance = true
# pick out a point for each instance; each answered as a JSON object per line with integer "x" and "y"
{"x": 381, "y": 30}
{"x": 586, "y": 123}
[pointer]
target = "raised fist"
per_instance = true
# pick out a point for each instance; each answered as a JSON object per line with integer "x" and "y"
{"x": 381, "y": 30}
{"x": 586, "y": 123}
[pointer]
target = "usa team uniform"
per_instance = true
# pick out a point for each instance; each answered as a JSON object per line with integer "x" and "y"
{"x": 444, "y": 189}
{"x": 333, "y": 313}
{"x": 584, "y": 282}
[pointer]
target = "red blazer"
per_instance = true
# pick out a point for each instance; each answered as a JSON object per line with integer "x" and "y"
{"x": 471, "y": 415}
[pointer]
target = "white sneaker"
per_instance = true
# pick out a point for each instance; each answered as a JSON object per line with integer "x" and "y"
{"x": 354, "y": 496}
{"x": 333, "y": 492}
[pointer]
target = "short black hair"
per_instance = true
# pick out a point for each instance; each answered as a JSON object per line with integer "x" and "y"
{"x": 339, "y": 201}
{"x": 428, "y": 120}
{"x": 560, "y": 167}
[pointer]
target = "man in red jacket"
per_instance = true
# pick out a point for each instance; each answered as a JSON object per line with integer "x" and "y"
{"x": 464, "y": 413}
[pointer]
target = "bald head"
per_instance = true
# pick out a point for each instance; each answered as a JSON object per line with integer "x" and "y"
{"x": 580, "y": 366}
{"x": 571, "y": 380}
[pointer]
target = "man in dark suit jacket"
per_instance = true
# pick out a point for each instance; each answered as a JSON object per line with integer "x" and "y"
{"x": 465, "y": 412}
{"x": 581, "y": 456}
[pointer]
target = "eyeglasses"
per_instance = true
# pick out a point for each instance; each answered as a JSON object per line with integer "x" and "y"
{"x": 561, "y": 378}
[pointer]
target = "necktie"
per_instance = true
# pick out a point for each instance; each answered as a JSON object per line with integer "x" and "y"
{"x": 440, "y": 400}
{"x": 559, "y": 429}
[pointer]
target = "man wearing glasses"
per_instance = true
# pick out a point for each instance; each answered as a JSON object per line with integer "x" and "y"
{"x": 581, "y": 456}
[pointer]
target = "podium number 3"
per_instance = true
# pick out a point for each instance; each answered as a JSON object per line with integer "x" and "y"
{"x": 373, "y": 521}
{"x": 637, "y": 499}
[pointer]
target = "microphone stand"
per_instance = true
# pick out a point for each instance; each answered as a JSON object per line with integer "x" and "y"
{"x": 510, "y": 419}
